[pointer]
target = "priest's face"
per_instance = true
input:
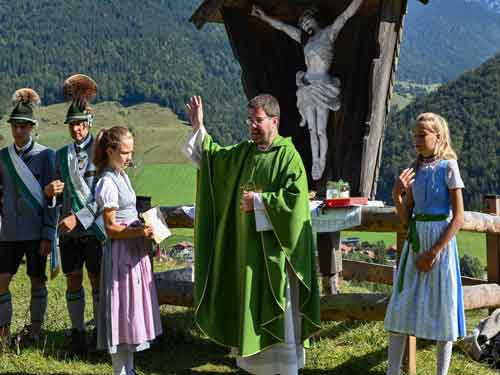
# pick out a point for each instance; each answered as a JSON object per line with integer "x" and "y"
{"x": 79, "y": 130}
{"x": 263, "y": 128}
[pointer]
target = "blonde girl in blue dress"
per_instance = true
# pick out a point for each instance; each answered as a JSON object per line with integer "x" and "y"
{"x": 426, "y": 300}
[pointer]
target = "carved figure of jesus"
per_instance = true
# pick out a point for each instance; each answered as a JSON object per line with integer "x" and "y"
{"x": 318, "y": 91}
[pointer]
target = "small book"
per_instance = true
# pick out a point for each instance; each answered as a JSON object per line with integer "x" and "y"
{"x": 154, "y": 218}
{"x": 345, "y": 202}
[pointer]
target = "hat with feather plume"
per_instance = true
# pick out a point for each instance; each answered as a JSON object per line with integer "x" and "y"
{"x": 80, "y": 90}
{"x": 24, "y": 100}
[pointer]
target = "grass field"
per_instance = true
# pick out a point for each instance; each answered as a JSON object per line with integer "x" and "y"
{"x": 473, "y": 244}
{"x": 341, "y": 348}
{"x": 167, "y": 184}
{"x": 401, "y": 99}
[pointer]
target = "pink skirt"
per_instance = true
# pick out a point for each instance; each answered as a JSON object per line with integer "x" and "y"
{"x": 130, "y": 310}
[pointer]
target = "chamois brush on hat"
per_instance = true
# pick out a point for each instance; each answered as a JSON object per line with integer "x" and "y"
{"x": 24, "y": 100}
{"x": 80, "y": 90}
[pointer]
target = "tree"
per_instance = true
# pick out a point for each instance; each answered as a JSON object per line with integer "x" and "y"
{"x": 471, "y": 266}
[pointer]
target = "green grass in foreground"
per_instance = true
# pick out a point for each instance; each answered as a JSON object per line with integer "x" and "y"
{"x": 341, "y": 348}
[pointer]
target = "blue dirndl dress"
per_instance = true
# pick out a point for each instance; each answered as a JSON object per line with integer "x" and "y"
{"x": 429, "y": 305}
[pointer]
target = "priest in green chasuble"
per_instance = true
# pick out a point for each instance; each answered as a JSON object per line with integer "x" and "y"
{"x": 256, "y": 289}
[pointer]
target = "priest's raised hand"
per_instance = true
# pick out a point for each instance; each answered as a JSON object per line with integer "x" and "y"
{"x": 194, "y": 110}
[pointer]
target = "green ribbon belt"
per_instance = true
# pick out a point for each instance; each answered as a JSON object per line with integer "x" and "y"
{"x": 415, "y": 242}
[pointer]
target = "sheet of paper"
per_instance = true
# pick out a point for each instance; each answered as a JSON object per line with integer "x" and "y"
{"x": 154, "y": 218}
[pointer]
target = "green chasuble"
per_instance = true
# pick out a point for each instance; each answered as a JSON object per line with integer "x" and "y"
{"x": 240, "y": 273}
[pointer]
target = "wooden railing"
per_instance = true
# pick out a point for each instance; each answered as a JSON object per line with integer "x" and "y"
{"x": 373, "y": 219}
{"x": 478, "y": 293}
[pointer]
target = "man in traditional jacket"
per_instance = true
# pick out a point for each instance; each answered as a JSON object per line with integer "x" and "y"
{"x": 81, "y": 235}
{"x": 256, "y": 289}
{"x": 28, "y": 224}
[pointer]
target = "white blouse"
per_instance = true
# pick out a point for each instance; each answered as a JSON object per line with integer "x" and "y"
{"x": 453, "y": 178}
{"x": 106, "y": 191}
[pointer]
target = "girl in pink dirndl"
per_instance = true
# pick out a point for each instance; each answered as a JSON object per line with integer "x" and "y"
{"x": 129, "y": 316}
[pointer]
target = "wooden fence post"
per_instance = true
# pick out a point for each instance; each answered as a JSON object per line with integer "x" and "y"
{"x": 330, "y": 261}
{"x": 410, "y": 359}
{"x": 492, "y": 207}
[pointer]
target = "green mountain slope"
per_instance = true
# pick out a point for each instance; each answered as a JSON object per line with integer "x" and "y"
{"x": 158, "y": 132}
{"x": 445, "y": 38}
{"x": 143, "y": 51}
{"x": 471, "y": 106}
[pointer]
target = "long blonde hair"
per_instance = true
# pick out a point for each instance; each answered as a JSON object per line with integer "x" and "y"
{"x": 439, "y": 127}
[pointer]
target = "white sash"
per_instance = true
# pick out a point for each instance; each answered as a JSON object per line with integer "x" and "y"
{"x": 26, "y": 176}
{"x": 32, "y": 187}
{"x": 81, "y": 188}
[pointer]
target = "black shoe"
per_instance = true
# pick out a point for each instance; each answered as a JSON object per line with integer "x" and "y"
{"x": 92, "y": 341}
{"x": 78, "y": 342}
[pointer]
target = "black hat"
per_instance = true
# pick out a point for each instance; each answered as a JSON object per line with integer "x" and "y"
{"x": 78, "y": 111}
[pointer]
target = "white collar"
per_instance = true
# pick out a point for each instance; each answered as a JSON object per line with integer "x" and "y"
{"x": 25, "y": 147}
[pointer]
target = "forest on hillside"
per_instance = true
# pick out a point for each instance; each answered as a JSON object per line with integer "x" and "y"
{"x": 151, "y": 55}
{"x": 445, "y": 38}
